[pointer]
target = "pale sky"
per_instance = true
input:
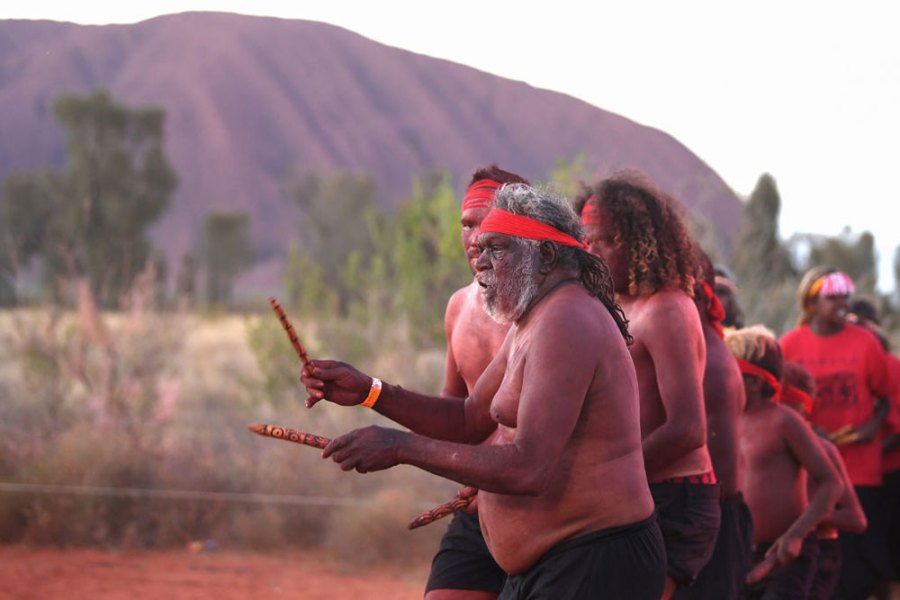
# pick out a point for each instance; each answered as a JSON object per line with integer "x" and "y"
{"x": 806, "y": 91}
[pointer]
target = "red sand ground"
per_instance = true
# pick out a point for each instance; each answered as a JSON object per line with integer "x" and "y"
{"x": 30, "y": 573}
{"x": 37, "y": 574}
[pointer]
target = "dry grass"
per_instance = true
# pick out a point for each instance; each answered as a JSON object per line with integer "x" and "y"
{"x": 166, "y": 407}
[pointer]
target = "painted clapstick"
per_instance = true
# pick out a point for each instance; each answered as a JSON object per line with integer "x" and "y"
{"x": 762, "y": 570}
{"x": 290, "y": 435}
{"x": 289, "y": 329}
{"x": 440, "y": 511}
{"x": 845, "y": 435}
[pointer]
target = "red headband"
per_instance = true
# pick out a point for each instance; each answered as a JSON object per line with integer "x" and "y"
{"x": 715, "y": 311}
{"x": 503, "y": 221}
{"x": 794, "y": 395}
{"x": 480, "y": 194}
{"x": 751, "y": 369}
{"x": 590, "y": 212}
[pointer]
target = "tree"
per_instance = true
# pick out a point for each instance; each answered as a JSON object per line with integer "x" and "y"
{"x": 760, "y": 259}
{"x": 226, "y": 251}
{"x": 336, "y": 210}
{"x": 897, "y": 273}
{"x": 90, "y": 220}
{"x": 425, "y": 256}
{"x": 186, "y": 283}
{"x": 26, "y": 211}
{"x": 566, "y": 178}
{"x": 762, "y": 263}
{"x": 379, "y": 268}
{"x": 853, "y": 254}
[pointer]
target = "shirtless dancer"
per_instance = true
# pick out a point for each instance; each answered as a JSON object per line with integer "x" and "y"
{"x": 635, "y": 228}
{"x": 723, "y": 391}
{"x": 779, "y": 451}
{"x": 463, "y": 568}
{"x": 563, "y": 501}
{"x": 797, "y": 390}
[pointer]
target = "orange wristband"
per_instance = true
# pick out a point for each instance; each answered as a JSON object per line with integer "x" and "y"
{"x": 374, "y": 393}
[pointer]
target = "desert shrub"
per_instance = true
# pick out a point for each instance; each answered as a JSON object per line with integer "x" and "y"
{"x": 147, "y": 444}
{"x": 377, "y": 531}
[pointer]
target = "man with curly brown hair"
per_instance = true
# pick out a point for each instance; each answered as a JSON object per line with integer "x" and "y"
{"x": 723, "y": 393}
{"x": 637, "y": 230}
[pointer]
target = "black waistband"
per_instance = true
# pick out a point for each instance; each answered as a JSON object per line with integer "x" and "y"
{"x": 611, "y": 532}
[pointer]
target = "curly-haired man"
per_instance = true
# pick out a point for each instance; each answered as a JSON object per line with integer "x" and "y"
{"x": 637, "y": 230}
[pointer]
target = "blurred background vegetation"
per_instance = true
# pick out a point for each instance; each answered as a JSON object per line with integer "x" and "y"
{"x": 109, "y": 380}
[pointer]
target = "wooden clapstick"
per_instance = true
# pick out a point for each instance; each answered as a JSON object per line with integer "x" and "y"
{"x": 762, "y": 570}
{"x": 845, "y": 435}
{"x": 440, "y": 511}
{"x": 290, "y": 435}
{"x": 289, "y": 329}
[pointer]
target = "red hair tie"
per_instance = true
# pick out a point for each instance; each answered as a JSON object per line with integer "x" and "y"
{"x": 794, "y": 395}
{"x": 715, "y": 311}
{"x": 503, "y": 221}
{"x": 748, "y": 368}
{"x": 590, "y": 212}
{"x": 481, "y": 194}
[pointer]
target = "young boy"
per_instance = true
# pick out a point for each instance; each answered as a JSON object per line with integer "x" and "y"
{"x": 779, "y": 449}
{"x": 798, "y": 389}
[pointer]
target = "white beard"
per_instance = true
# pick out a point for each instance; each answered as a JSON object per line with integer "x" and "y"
{"x": 513, "y": 295}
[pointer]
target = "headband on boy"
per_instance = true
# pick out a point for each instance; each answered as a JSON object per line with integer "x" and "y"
{"x": 503, "y": 221}
{"x": 793, "y": 395}
{"x": 481, "y": 194}
{"x": 832, "y": 284}
{"x": 748, "y": 368}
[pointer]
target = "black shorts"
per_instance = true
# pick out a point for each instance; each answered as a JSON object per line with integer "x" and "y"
{"x": 865, "y": 560}
{"x": 689, "y": 517}
{"x": 463, "y": 561}
{"x": 828, "y": 569}
{"x": 789, "y": 582}
{"x": 892, "y": 501}
{"x": 626, "y": 562}
{"x": 723, "y": 576}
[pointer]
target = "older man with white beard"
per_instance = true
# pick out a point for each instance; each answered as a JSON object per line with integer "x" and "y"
{"x": 563, "y": 503}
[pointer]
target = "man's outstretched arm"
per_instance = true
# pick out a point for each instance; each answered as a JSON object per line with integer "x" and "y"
{"x": 443, "y": 418}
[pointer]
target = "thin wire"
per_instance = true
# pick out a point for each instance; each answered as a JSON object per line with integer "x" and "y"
{"x": 252, "y": 498}
{"x": 86, "y": 490}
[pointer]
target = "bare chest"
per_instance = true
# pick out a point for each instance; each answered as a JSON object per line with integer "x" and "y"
{"x": 762, "y": 446}
{"x": 475, "y": 341}
{"x": 505, "y": 404}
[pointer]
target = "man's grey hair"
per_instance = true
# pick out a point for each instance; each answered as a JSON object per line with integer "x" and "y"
{"x": 554, "y": 210}
{"x": 541, "y": 205}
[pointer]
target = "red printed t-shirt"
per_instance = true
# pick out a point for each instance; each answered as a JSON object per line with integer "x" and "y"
{"x": 890, "y": 461}
{"x": 851, "y": 373}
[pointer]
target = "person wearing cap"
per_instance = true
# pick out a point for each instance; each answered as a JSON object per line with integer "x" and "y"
{"x": 637, "y": 230}
{"x": 779, "y": 451}
{"x": 463, "y": 568}
{"x": 797, "y": 389}
{"x": 550, "y": 432}
{"x": 852, "y": 385}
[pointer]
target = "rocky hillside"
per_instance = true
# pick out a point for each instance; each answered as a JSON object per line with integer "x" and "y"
{"x": 249, "y": 99}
